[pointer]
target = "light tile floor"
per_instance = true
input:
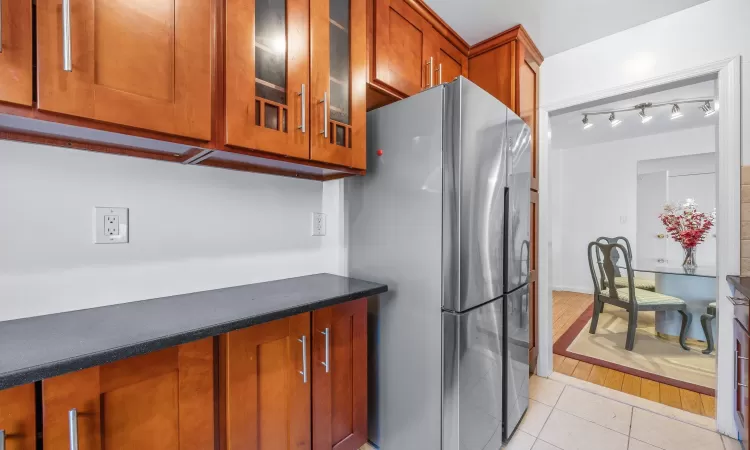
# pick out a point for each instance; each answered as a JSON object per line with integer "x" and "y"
{"x": 566, "y": 413}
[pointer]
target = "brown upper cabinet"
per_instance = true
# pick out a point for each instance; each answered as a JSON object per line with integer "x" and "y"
{"x": 161, "y": 400}
{"x": 295, "y": 78}
{"x": 339, "y": 375}
{"x": 16, "y": 52}
{"x": 18, "y": 418}
{"x": 267, "y": 73}
{"x": 141, "y": 63}
{"x": 337, "y": 85}
{"x": 409, "y": 51}
{"x": 507, "y": 66}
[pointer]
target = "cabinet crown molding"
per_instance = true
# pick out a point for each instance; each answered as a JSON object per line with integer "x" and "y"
{"x": 516, "y": 33}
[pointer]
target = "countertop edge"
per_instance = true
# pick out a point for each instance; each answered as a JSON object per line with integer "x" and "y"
{"x": 40, "y": 372}
{"x": 736, "y": 281}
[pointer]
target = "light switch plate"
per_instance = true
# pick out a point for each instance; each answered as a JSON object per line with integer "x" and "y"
{"x": 110, "y": 225}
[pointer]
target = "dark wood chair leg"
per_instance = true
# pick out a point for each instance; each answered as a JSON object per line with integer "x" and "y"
{"x": 686, "y": 318}
{"x": 598, "y": 304}
{"x": 632, "y": 326}
{"x": 706, "y": 324}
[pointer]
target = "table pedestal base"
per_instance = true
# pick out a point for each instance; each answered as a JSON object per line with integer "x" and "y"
{"x": 697, "y": 292}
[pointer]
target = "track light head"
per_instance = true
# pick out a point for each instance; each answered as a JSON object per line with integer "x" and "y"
{"x": 676, "y": 113}
{"x": 644, "y": 117}
{"x": 586, "y": 123}
{"x": 614, "y": 121}
{"x": 707, "y": 109}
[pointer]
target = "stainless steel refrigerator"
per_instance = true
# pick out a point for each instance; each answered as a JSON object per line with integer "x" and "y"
{"x": 442, "y": 217}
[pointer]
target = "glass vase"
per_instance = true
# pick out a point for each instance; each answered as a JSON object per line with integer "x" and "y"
{"x": 689, "y": 261}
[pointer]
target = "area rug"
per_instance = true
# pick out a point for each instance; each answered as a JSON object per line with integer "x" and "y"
{"x": 652, "y": 358}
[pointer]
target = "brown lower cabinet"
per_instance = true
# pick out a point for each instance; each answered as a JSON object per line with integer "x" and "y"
{"x": 18, "y": 418}
{"x": 161, "y": 400}
{"x": 295, "y": 383}
{"x": 339, "y": 369}
{"x": 742, "y": 381}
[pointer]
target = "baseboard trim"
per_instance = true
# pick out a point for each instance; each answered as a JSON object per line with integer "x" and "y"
{"x": 578, "y": 289}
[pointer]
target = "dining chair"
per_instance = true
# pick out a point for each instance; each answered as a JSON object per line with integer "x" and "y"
{"x": 629, "y": 298}
{"x": 620, "y": 281}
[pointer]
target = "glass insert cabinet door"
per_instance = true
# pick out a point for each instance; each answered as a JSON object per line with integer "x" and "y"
{"x": 266, "y": 76}
{"x": 338, "y": 65}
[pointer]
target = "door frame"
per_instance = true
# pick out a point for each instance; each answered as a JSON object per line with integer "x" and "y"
{"x": 729, "y": 163}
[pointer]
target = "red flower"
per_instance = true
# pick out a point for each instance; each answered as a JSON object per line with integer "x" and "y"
{"x": 686, "y": 225}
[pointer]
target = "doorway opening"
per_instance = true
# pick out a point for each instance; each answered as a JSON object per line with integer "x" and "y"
{"x": 628, "y": 311}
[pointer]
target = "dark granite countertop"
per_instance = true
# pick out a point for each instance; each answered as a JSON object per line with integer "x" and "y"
{"x": 742, "y": 284}
{"x": 40, "y": 347}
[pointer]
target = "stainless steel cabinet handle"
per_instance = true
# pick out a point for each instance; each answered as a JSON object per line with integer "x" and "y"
{"x": 2, "y": 432}
{"x": 73, "y": 428}
{"x": 440, "y": 73}
{"x": 67, "y": 58}
{"x": 429, "y": 63}
{"x": 327, "y": 362}
{"x": 302, "y": 98}
{"x": 302, "y": 372}
{"x": 324, "y": 132}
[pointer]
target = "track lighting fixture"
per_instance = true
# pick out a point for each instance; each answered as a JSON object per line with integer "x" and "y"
{"x": 613, "y": 121}
{"x": 707, "y": 109}
{"x": 586, "y": 123}
{"x": 644, "y": 117}
{"x": 676, "y": 113}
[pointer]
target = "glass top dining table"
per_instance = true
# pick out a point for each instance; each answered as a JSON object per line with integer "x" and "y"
{"x": 700, "y": 271}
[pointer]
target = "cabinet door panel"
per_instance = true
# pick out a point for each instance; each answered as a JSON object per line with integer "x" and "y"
{"x": 528, "y": 104}
{"x": 16, "y": 52}
{"x": 494, "y": 71}
{"x": 162, "y": 400}
{"x": 401, "y": 49}
{"x": 267, "y": 67}
{"x": 449, "y": 62}
{"x": 18, "y": 417}
{"x": 141, "y": 63}
{"x": 340, "y": 393}
{"x": 265, "y": 398}
{"x": 338, "y": 82}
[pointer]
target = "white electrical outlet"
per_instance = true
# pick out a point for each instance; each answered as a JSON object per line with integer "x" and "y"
{"x": 318, "y": 224}
{"x": 110, "y": 225}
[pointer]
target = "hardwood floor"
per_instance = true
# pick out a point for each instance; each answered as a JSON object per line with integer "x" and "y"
{"x": 566, "y": 308}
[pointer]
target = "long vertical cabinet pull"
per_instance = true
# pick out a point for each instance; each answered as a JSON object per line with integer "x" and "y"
{"x": 302, "y": 112}
{"x": 303, "y": 372}
{"x": 440, "y": 73}
{"x": 67, "y": 57}
{"x": 327, "y": 363}
{"x": 324, "y": 131}
{"x": 73, "y": 428}
{"x": 2, "y": 432}
{"x": 429, "y": 63}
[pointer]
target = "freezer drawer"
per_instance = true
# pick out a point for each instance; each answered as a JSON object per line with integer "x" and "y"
{"x": 473, "y": 378}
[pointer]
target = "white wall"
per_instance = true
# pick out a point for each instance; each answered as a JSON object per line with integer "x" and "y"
{"x": 592, "y": 187}
{"x": 191, "y": 229}
{"x": 697, "y": 36}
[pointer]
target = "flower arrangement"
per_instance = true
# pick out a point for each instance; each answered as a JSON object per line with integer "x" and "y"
{"x": 687, "y": 226}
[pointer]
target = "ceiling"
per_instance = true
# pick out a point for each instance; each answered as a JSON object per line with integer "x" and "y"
{"x": 568, "y": 132}
{"x": 554, "y": 25}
